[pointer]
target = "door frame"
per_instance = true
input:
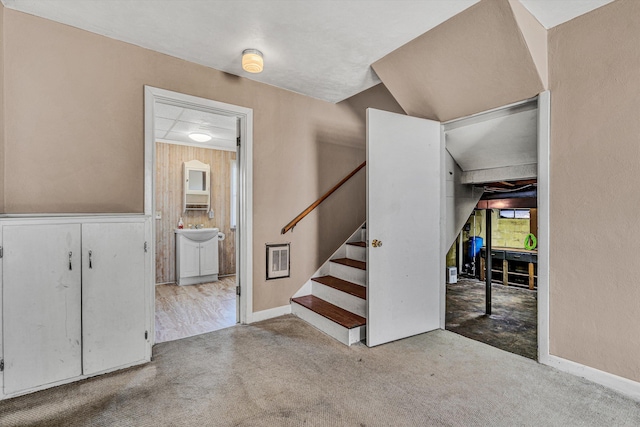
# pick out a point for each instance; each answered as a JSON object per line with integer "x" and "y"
{"x": 244, "y": 234}
{"x": 544, "y": 143}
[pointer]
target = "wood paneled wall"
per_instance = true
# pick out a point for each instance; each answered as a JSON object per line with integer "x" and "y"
{"x": 169, "y": 160}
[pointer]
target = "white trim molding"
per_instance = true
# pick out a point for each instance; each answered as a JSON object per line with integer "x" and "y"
{"x": 271, "y": 313}
{"x": 620, "y": 384}
{"x": 244, "y": 250}
{"x": 544, "y": 149}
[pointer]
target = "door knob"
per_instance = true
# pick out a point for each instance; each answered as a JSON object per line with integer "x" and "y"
{"x": 376, "y": 243}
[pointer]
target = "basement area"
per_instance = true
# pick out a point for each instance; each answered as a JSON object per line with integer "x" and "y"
{"x": 494, "y": 300}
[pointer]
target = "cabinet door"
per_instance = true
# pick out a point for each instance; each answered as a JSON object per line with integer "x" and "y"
{"x": 209, "y": 257}
{"x": 41, "y": 305}
{"x": 189, "y": 257}
{"x": 113, "y": 295}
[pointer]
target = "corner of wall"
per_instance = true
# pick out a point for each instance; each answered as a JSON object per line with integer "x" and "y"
{"x": 535, "y": 37}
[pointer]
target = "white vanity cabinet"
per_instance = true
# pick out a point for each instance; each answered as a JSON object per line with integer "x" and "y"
{"x": 74, "y": 300}
{"x": 196, "y": 256}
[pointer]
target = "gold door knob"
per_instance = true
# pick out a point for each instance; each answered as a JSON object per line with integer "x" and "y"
{"x": 376, "y": 243}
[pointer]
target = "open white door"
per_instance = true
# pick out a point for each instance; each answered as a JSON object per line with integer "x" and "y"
{"x": 404, "y": 199}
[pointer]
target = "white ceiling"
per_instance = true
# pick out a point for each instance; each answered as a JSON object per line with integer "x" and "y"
{"x": 495, "y": 140}
{"x": 320, "y": 48}
{"x": 174, "y": 124}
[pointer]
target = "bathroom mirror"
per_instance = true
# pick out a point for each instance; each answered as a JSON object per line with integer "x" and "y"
{"x": 197, "y": 196}
{"x": 197, "y": 180}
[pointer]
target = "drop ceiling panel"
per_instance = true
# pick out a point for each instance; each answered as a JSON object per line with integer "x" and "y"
{"x": 167, "y": 111}
{"x": 195, "y": 116}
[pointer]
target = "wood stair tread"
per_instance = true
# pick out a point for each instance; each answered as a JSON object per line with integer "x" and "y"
{"x": 351, "y": 263}
{"x": 334, "y": 313}
{"x": 343, "y": 285}
{"x": 360, "y": 244}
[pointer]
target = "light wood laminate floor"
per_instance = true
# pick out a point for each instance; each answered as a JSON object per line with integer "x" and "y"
{"x": 185, "y": 311}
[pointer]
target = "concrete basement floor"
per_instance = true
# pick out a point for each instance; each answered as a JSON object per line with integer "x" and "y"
{"x": 512, "y": 325}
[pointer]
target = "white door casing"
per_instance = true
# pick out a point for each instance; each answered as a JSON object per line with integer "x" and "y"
{"x": 244, "y": 233}
{"x": 404, "y": 212}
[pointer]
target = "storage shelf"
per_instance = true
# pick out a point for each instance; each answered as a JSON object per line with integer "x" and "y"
{"x": 509, "y": 269}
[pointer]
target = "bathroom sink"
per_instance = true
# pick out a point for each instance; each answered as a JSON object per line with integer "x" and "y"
{"x": 199, "y": 235}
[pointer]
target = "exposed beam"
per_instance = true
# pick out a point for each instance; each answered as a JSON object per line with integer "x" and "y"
{"x": 509, "y": 173}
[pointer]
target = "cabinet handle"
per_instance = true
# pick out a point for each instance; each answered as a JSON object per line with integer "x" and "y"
{"x": 90, "y": 259}
{"x": 70, "y": 267}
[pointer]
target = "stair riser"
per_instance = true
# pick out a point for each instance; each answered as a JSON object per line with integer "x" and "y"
{"x": 342, "y": 334}
{"x": 341, "y": 299}
{"x": 357, "y": 252}
{"x": 350, "y": 274}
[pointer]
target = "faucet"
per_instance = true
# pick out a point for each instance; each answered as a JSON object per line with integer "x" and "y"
{"x": 199, "y": 226}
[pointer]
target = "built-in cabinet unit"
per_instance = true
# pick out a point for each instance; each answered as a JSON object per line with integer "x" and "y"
{"x": 75, "y": 299}
{"x": 196, "y": 256}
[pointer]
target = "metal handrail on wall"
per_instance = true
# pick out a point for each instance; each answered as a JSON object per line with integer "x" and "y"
{"x": 315, "y": 204}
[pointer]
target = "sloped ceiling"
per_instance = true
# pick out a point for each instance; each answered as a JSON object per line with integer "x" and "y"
{"x": 475, "y": 61}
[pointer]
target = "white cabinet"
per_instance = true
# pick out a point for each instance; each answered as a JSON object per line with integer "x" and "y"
{"x": 196, "y": 256}
{"x": 113, "y": 298}
{"x": 41, "y": 305}
{"x": 209, "y": 257}
{"x": 74, "y": 301}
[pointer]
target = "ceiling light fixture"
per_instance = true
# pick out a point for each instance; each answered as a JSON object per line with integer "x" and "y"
{"x": 200, "y": 137}
{"x": 252, "y": 61}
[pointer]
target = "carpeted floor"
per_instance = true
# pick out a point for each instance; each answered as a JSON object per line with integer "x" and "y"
{"x": 283, "y": 372}
{"x": 512, "y": 325}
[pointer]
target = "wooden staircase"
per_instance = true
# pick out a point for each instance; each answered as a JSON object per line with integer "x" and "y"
{"x": 337, "y": 304}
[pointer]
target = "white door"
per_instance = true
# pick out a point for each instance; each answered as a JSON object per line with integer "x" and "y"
{"x": 113, "y": 295}
{"x": 404, "y": 200}
{"x": 41, "y": 305}
{"x": 189, "y": 257}
{"x": 209, "y": 257}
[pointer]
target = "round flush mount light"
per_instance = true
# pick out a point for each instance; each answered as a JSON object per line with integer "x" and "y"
{"x": 252, "y": 61}
{"x": 200, "y": 137}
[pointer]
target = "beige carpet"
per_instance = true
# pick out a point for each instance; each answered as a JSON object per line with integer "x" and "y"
{"x": 283, "y": 372}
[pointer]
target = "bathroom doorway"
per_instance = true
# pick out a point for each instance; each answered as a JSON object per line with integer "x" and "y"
{"x": 198, "y": 238}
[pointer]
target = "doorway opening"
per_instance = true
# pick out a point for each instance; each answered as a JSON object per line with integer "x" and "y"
{"x": 198, "y": 195}
{"x": 496, "y": 287}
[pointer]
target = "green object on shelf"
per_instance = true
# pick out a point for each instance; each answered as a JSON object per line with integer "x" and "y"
{"x": 530, "y": 242}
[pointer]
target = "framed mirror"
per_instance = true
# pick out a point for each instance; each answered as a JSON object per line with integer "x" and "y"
{"x": 197, "y": 195}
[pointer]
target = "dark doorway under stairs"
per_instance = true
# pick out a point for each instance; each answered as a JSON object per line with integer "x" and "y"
{"x": 511, "y": 327}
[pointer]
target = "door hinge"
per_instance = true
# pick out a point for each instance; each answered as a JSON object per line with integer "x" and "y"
{"x": 1, "y": 365}
{"x": 1, "y": 251}
{"x": 146, "y": 247}
{"x": 238, "y": 141}
{"x": 238, "y": 290}
{"x": 146, "y": 335}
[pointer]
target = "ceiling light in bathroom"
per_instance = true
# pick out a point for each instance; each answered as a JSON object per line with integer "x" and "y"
{"x": 200, "y": 137}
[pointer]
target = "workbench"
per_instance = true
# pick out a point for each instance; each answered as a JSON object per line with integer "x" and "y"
{"x": 511, "y": 267}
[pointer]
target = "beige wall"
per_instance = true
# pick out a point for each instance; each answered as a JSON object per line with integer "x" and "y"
{"x": 594, "y": 78}
{"x": 475, "y": 61}
{"x": 170, "y": 199}
{"x": 76, "y": 119}
{"x": 2, "y": 130}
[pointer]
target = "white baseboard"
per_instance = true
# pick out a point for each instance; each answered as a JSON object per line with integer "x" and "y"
{"x": 271, "y": 313}
{"x": 620, "y": 384}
